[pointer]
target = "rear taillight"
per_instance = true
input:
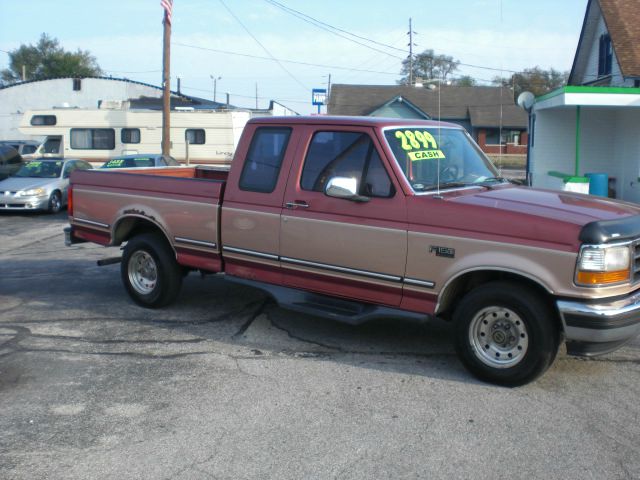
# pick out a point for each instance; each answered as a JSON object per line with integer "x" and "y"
{"x": 70, "y": 201}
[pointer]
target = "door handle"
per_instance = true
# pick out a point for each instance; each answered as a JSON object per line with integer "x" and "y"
{"x": 297, "y": 204}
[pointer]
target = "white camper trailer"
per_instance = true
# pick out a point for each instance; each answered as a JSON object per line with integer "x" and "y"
{"x": 96, "y": 135}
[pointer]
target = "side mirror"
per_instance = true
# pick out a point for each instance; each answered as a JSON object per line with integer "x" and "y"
{"x": 345, "y": 188}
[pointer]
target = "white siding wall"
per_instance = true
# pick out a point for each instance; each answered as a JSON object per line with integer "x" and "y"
{"x": 627, "y": 150}
{"x": 15, "y": 100}
{"x": 591, "y": 72}
{"x": 554, "y": 148}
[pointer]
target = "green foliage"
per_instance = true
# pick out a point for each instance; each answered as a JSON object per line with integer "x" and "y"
{"x": 428, "y": 66}
{"x": 465, "y": 81}
{"x": 534, "y": 80}
{"x": 48, "y": 59}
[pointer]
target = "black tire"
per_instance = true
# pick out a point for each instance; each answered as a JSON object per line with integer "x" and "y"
{"x": 55, "y": 202}
{"x": 505, "y": 333}
{"x": 149, "y": 271}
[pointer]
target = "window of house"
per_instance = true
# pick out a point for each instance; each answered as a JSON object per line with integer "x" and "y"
{"x": 492, "y": 136}
{"x": 93, "y": 138}
{"x": 605, "y": 57}
{"x": 263, "y": 162}
{"x": 194, "y": 136}
{"x": 130, "y": 135}
{"x": 77, "y": 84}
{"x": 345, "y": 154}
{"x": 43, "y": 120}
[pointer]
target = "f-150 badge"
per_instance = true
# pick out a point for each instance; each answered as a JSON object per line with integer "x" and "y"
{"x": 443, "y": 251}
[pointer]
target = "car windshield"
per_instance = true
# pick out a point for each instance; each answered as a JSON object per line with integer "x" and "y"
{"x": 129, "y": 162}
{"x": 439, "y": 157}
{"x": 40, "y": 170}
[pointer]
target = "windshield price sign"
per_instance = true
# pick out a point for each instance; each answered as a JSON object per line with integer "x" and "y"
{"x": 419, "y": 145}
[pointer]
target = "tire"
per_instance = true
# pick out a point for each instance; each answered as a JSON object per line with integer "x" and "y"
{"x": 55, "y": 202}
{"x": 505, "y": 333}
{"x": 149, "y": 271}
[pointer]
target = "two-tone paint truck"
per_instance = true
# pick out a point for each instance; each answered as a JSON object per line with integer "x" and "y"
{"x": 356, "y": 219}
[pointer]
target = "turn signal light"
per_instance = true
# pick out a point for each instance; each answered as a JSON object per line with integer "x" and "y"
{"x": 599, "y": 278}
{"x": 70, "y": 201}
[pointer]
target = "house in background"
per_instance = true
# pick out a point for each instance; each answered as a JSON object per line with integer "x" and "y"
{"x": 593, "y": 124}
{"x": 487, "y": 113}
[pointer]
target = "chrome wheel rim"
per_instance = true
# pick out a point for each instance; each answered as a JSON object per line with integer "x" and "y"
{"x": 499, "y": 337}
{"x": 143, "y": 272}
{"x": 56, "y": 203}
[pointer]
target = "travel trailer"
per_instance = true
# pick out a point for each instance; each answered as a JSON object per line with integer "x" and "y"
{"x": 96, "y": 135}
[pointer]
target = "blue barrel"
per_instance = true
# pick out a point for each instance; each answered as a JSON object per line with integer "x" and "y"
{"x": 598, "y": 184}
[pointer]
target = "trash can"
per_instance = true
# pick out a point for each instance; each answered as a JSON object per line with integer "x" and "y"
{"x": 598, "y": 184}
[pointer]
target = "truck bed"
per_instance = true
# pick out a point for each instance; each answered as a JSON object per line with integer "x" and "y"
{"x": 107, "y": 207}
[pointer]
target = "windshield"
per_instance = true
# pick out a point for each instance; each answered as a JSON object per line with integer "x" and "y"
{"x": 446, "y": 157}
{"x": 40, "y": 170}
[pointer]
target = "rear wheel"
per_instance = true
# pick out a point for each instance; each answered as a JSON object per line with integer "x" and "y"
{"x": 149, "y": 271}
{"x": 505, "y": 333}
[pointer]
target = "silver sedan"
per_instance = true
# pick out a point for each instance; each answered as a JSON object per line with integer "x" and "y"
{"x": 40, "y": 185}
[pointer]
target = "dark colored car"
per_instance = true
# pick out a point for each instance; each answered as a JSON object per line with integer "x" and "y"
{"x": 10, "y": 161}
{"x": 141, "y": 161}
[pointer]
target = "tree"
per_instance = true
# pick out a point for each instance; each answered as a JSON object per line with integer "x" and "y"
{"x": 465, "y": 81}
{"x": 48, "y": 59}
{"x": 428, "y": 66}
{"x": 534, "y": 80}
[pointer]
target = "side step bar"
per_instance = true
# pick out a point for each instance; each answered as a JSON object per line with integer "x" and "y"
{"x": 337, "y": 309}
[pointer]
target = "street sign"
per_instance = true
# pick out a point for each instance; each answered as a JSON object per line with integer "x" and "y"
{"x": 319, "y": 96}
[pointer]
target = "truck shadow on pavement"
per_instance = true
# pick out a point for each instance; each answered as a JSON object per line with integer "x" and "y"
{"x": 75, "y": 307}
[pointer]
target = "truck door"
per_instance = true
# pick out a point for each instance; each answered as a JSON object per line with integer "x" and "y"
{"x": 252, "y": 206}
{"x": 354, "y": 248}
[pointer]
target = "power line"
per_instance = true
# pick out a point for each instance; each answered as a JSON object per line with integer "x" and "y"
{"x": 308, "y": 64}
{"x": 262, "y": 46}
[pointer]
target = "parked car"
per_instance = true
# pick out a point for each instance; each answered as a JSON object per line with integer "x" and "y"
{"x": 10, "y": 161}
{"x": 141, "y": 160}
{"x": 40, "y": 185}
{"x": 24, "y": 147}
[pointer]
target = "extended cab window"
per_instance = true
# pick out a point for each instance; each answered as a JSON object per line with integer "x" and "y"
{"x": 262, "y": 165}
{"x": 345, "y": 154}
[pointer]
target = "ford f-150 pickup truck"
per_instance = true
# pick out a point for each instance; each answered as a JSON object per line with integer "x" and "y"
{"x": 361, "y": 218}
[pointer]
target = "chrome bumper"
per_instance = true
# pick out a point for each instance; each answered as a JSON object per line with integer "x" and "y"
{"x": 598, "y": 328}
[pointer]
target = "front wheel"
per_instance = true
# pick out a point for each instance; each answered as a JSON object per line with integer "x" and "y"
{"x": 149, "y": 271}
{"x": 505, "y": 333}
{"x": 55, "y": 202}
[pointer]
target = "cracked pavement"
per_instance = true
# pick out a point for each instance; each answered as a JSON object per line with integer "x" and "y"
{"x": 224, "y": 384}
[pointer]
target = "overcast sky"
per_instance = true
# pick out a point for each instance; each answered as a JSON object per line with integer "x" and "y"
{"x": 126, "y": 38}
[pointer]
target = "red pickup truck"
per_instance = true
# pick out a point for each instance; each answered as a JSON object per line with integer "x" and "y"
{"x": 360, "y": 218}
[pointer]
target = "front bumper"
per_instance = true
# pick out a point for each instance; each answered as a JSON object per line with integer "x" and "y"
{"x": 598, "y": 328}
{"x": 13, "y": 202}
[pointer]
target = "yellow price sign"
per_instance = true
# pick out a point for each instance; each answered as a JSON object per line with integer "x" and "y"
{"x": 425, "y": 155}
{"x": 413, "y": 140}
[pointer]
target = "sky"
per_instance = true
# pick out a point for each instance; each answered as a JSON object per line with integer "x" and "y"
{"x": 236, "y": 41}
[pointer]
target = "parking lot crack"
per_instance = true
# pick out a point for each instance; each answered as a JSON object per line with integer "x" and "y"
{"x": 259, "y": 311}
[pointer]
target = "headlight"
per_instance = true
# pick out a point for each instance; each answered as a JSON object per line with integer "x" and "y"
{"x": 603, "y": 265}
{"x": 34, "y": 192}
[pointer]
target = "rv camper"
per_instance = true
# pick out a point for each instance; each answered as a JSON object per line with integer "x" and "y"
{"x": 96, "y": 135}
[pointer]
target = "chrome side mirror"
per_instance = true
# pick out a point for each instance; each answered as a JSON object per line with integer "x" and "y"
{"x": 345, "y": 188}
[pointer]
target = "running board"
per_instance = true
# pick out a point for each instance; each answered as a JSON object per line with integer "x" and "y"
{"x": 337, "y": 309}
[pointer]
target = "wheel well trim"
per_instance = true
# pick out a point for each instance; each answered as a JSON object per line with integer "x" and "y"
{"x": 491, "y": 269}
{"x": 145, "y": 219}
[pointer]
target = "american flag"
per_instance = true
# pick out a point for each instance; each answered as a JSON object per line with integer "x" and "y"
{"x": 168, "y": 6}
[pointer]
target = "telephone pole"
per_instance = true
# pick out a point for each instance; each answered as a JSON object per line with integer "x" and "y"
{"x": 166, "y": 78}
{"x": 410, "y": 53}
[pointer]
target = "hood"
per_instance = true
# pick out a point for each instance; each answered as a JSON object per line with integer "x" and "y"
{"x": 13, "y": 184}
{"x": 542, "y": 216}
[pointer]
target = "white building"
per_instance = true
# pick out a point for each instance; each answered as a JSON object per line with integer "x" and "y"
{"x": 592, "y": 126}
{"x": 65, "y": 92}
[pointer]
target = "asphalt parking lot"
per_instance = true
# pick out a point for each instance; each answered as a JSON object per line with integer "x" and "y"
{"x": 225, "y": 385}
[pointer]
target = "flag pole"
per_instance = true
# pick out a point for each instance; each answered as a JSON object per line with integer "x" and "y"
{"x": 166, "y": 82}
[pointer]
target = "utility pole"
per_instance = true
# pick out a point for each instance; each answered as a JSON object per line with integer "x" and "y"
{"x": 410, "y": 53}
{"x": 256, "y": 95}
{"x": 166, "y": 79}
{"x": 328, "y": 88}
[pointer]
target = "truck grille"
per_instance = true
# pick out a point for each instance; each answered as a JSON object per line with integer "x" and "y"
{"x": 636, "y": 261}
